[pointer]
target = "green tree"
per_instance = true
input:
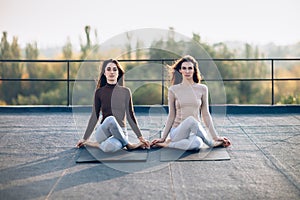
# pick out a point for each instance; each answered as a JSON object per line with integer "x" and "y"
{"x": 149, "y": 94}
{"x": 128, "y": 46}
{"x": 41, "y": 92}
{"x": 85, "y": 48}
{"x": 67, "y": 50}
{"x": 9, "y": 69}
{"x": 5, "y": 52}
{"x": 87, "y": 70}
{"x": 163, "y": 49}
{"x": 251, "y": 92}
{"x": 89, "y": 49}
{"x": 197, "y": 48}
{"x": 139, "y": 52}
{"x": 32, "y": 69}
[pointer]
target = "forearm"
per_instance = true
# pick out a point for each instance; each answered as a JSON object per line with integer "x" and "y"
{"x": 93, "y": 118}
{"x": 210, "y": 126}
{"x": 90, "y": 127}
{"x": 168, "y": 126}
{"x": 135, "y": 128}
{"x": 133, "y": 123}
{"x": 171, "y": 116}
{"x": 206, "y": 115}
{"x": 131, "y": 117}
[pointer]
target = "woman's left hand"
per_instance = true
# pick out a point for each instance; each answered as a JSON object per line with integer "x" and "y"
{"x": 145, "y": 142}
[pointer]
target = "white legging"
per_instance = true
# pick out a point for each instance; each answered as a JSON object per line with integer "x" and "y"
{"x": 189, "y": 135}
{"x": 110, "y": 136}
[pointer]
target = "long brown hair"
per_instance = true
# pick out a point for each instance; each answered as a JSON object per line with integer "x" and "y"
{"x": 102, "y": 78}
{"x": 177, "y": 76}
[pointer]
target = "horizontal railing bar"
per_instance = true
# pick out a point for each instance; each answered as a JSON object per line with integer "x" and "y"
{"x": 267, "y": 79}
{"x": 155, "y": 60}
{"x": 140, "y": 80}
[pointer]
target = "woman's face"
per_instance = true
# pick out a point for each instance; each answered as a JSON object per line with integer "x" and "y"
{"x": 111, "y": 73}
{"x": 187, "y": 70}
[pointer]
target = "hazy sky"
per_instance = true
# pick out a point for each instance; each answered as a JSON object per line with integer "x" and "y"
{"x": 51, "y": 22}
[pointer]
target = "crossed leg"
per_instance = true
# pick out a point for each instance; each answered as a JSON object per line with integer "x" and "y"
{"x": 110, "y": 137}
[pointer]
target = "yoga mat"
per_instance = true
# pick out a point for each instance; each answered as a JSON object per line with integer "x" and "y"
{"x": 91, "y": 154}
{"x": 171, "y": 154}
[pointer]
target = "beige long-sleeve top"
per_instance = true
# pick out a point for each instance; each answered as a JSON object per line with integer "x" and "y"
{"x": 186, "y": 100}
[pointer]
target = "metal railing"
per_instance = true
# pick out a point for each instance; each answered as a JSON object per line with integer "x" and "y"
{"x": 69, "y": 80}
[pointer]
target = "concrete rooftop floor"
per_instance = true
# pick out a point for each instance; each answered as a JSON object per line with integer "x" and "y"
{"x": 38, "y": 154}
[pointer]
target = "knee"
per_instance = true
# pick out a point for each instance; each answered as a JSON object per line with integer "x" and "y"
{"x": 108, "y": 146}
{"x": 196, "y": 143}
{"x": 191, "y": 120}
{"x": 110, "y": 120}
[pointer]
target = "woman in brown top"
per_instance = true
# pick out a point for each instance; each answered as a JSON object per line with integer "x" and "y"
{"x": 186, "y": 99}
{"x": 115, "y": 103}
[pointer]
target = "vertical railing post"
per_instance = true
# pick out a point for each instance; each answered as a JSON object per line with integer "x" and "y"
{"x": 162, "y": 83}
{"x": 272, "y": 74}
{"x": 68, "y": 82}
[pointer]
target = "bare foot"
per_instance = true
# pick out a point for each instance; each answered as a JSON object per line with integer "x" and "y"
{"x": 130, "y": 146}
{"x": 162, "y": 144}
{"x": 217, "y": 143}
{"x": 91, "y": 144}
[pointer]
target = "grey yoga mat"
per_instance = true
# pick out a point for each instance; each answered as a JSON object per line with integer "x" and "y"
{"x": 170, "y": 154}
{"x": 91, "y": 154}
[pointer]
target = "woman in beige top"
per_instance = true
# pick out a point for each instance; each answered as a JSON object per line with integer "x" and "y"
{"x": 186, "y": 99}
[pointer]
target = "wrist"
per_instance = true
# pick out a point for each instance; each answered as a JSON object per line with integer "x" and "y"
{"x": 216, "y": 138}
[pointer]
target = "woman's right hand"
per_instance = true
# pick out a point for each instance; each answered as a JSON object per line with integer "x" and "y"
{"x": 158, "y": 140}
{"x": 80, "y": 143}
{"x": 225, "y": 141}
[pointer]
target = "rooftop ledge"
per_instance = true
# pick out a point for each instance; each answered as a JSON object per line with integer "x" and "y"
{"x": 215, "y": 109}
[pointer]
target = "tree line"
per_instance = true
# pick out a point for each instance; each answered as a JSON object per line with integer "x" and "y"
{"x": 241, "y": 91}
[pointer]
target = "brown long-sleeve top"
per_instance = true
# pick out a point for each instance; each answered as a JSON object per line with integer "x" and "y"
{"x": 113, "y": 100}
{"x": 186, "y": 100}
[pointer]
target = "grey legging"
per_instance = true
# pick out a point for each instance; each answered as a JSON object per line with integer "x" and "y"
{"x": 189, "y": 135}
{"x": 110, "y": 136}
